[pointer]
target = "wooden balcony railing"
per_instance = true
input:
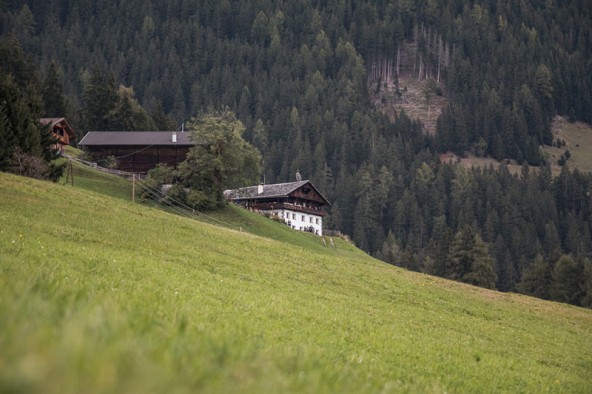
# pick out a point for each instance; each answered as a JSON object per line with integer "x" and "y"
{"x": 293, "y": 207}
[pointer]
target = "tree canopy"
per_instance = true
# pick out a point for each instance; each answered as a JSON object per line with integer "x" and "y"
{"x": 220, "y": 159}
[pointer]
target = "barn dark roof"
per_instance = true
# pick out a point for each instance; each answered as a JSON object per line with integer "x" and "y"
{"x": 136, "y": 138}
{"x": 269, "y": 191}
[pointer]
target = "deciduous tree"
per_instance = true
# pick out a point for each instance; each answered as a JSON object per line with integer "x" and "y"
{"x": 220, "y": 159}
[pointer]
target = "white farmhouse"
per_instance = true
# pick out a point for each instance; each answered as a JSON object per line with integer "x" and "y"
{"x": 299, "y": 204}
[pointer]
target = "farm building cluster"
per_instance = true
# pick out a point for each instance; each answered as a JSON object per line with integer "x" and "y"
{"x": 298, "y": 204}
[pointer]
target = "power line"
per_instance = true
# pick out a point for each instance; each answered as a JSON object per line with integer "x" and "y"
{"x": 158, "y": 196}
{"x": 133, "y": 153}
{"x": 158, "y": 193}
{"x": 99, "y": 169}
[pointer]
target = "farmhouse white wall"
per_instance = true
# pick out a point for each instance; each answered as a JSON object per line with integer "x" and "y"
{"x": 299, "y": 203}
{"x": 301, "y": 221}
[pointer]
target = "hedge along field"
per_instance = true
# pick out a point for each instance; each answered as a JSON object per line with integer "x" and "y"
{"x": 100, "y": 295}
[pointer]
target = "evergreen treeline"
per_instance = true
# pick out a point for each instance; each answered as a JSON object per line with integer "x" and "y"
{"x": 25, "y": 145}
{"x": 296, "y": 73}
{"x": 514, "y": 66}
{"x": 529, "y": 232}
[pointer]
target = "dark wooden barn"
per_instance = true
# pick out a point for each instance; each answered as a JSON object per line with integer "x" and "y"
{"x": 138, "y": 151}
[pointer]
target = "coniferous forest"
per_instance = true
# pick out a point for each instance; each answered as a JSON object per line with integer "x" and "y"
{"x": 298, "y": 75}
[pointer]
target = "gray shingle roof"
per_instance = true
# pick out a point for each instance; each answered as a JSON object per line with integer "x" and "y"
{"x": 269, "y": 191}
{"x": 275, "y": 190}
{"x": 136, "y": 138}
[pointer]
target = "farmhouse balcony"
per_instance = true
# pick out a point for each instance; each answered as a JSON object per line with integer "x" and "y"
{"x": 267, "y": 206}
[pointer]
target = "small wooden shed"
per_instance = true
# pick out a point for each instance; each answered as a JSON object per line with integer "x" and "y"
{"x": 61, "y": 130}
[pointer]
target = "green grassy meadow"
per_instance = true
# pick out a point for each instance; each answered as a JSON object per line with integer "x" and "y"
{"x": 99, "y": 182}
{"x": 101, "y": 295}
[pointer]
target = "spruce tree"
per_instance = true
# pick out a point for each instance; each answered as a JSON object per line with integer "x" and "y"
{"x": 99, "y": 100}
{"x": 54, "y": 101}
{"x": 162, "y": 120}
{"x": 482, "y": 271}
{"x": 565, "y": 280}
{"x": 128, "y": 114}
{"x": 586, "y": 283}
{"x": 536, "y": 279}
{"x": 460, "y": 260}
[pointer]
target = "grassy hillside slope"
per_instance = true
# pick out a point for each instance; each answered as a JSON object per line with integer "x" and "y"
{"x": 100, "y": 295}
{"x": 231, "y": 216}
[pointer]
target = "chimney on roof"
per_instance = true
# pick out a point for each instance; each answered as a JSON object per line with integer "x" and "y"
{"x": 174, "y": 137}
{"x": 260, "y": 189}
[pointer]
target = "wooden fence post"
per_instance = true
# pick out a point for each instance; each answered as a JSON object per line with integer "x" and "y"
{"x": 133, "y": 188}
{"x": 70, "y": 173}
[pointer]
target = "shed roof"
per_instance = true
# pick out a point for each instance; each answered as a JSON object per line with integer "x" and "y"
{"x": 51, "y": 121}
{"x": 54, "y": 121}
{"x": 136, "y": 138}
{"x": 269, "y": 191}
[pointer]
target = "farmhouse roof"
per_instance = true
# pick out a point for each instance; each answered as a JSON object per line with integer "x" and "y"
{"x": 136, "y": 138}
{"x": 269, "y": 191}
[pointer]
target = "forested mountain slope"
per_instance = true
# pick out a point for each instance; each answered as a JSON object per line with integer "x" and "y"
{"x": 297, "y": 73}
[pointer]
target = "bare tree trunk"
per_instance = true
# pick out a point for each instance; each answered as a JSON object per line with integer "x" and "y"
{"x": 420, "y": 68}
{"x": 385, "y": 71}
{"x": 439, "y": 56}
{"x": 415, "y": 39}
{"x": 398, "y": 61}
{"x": 375, "y": 70}
{"x": 428, "y": 53}
{"x": 388, "y": 71}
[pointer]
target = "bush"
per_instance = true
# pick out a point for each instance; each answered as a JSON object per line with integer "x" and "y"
{"x": 57, "y": 168}
{"x": 201, "y": 201}
{"x": 162, "y": 174}
{"x": 25, "y": 164}
{"x": 561, "y": 160}
{"x": 567, "y": 154}
{"x": 109, "y": 162}
{"x": 156, "y": 177}
{"x": 177, "y": 193}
